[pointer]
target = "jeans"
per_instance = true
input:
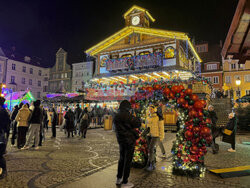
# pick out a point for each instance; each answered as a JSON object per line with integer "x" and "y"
{"x": 151, "y": 149}
{"x": 162, "y": 147}
{"x": 21, "y": 136}
{"x": 125, "y": 160}
{"x": 3, "y": 164}
{"x": 33, "y": 132}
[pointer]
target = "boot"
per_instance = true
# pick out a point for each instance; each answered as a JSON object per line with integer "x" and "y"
{"x": 150, "y": 167}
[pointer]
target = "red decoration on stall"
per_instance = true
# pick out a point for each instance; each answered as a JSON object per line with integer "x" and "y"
{"x": 188, "y": 91}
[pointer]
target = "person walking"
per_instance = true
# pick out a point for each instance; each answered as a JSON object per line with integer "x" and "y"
{"x": 14, "y": 123}
{"x": 125, "y": 124}
{"x": 4, "y": 126}
{"x": 45, "y": 119}
{"x": 161, "y": 132}
{"x": 77, "y": 114}
{"x": 35, "y": 123}
{"x": 154, "y": 128}
{"x": 53, "y": 123}
{"x": 22, "y": 119}
{"x": 69, "y": 120}
{"x": 84, "y": 122}
{"x": 215, "y": 131}
{"x": 230, "y": 132}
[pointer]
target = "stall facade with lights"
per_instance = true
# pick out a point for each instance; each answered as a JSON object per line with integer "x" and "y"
{"x": 138, "y": 53}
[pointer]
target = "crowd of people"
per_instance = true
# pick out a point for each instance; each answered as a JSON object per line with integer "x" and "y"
{"x": 31, "y": 122}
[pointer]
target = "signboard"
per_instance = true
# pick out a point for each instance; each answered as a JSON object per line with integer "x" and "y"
{"x": 109, "y": 93}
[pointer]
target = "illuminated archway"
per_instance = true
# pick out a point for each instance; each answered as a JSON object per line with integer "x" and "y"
{"x": 194, "y": 133}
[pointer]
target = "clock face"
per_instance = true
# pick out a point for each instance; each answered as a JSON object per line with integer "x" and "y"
{"x": 135, "y": 20}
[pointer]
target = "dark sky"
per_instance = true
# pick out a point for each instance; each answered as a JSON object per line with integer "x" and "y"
{"x": 40, "y": 27}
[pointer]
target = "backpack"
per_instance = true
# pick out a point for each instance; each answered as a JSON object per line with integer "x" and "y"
{"x": 85, "y": 116}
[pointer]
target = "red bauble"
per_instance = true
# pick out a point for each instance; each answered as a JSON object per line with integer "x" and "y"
{"x": 157, "y": 87}
{"x": 149, "y": 89}
{"x": 198, "y": 105}
{"x": 143, "y": 88}
{"x": 185, "y": 105}
{"x": 171, "y": 95}
{"x": 194, "y": 149}
{"x": 193, "y": 158}
{"x": 175, "y": 89}
{"x": 205, "y": 131}
{"x": 194, "y": 97}
{"x": 192, "y": 113}
{"x": 208, "y": 120}
{"x": 200, "y": 114}
{"x": 181, "y": 87}
{"x": 166, "y": 91}
{"x": 181, "y": 101}
{"x": 179, "y": 155}
{"x": 182, "y": 95}
{"x": 188, "y": 135}
{"x": 196, "y": 129}
{"x": 204, "y": 103}
{"x": 137, "y": 106}
{"x": 188, "y": 91}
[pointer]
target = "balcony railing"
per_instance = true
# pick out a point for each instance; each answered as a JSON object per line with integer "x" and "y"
{"x": 135, "y": 62}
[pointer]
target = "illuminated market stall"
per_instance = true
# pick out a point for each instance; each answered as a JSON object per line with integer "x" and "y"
{"x": 15, "y": 98}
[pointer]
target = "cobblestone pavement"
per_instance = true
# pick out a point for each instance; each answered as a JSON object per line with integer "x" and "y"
{"x": 60, "y": 160}
{"x": 160, "y": 178}
{"x": 71, "y": 162}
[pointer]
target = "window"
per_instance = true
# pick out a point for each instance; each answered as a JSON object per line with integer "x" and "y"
{"x": 233, "y": 66}
{"x": 241, "y": 66}
{"x": 65, "y": 75}
{"x": 62, "y": 75}
{"x": 238, "y": 93}
{"x": 212, "y": 67}
{"x": 228, "y": 79}
{"x": 13, "y": 66}
{"x": 46, "y": 79}
{"x": 31, "y": 71}
{"x": 216, "y": 79}
{"x": 237, "y": 77}
{"x": 39, "y": 73}
{"x": 23, "y": 80}
{"x": 30, "y": 82}
{"x": 247, "y": 92}
{"x": 39, "y": 83}
{"x": 24, "y": 69}
{"x": 12, "y": 79}
{"x": 45, "y": 88}
{"x": 209, "y": 79}
{"x": 247, "y": 78}
{"x": 0, "y": 68}
{"x": 38, "y": 94}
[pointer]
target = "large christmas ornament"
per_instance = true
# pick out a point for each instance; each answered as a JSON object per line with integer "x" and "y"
{"x": 166, "y": 91}
{"x": 205, "y": 131}
{"x": 198, "y": 105}
{"x": 188, "y": 135}
{"x": 194, "y": 97}
{"x": 188, "y": 91}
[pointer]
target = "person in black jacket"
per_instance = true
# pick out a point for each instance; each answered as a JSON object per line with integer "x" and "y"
{"x": 215, "y": 130}
{"x": 77, "y": 113}
{"x": 54, "y": 122}
{"x": 69, "y": 120}
{"x": 35, "y": 123}
{"x": 231, "y": 125}
{"x": 84, "y": 122}
{"x": 14, "y": 123}
{"x": 4, "y": 126}
{"x": 125, "y": 124}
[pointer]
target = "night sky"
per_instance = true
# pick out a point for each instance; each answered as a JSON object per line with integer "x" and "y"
{"x": 40, "y": 27}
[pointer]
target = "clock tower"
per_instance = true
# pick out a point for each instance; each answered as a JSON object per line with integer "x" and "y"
{"x": 137, "y": 16}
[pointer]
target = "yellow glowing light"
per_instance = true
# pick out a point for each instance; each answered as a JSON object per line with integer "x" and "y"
{"x": 3, "y": 86}
{"x": 2, "y": 95}
{"x": 141, "y": 9}
{"x": 156, "y": 74}
{"x": 165, "y": 73}
{"x": 132, "y": 29}
{"x": 194, "y": 51}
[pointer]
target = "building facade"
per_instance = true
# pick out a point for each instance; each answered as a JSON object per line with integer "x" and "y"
{"x": 236, "y": 53}
{"x": 211, "y": 67}
{"x": 60, "y": 74}
{"x": 82, "y": 73}
{"x": 138, "y": 52}
{"x": 22, "y": 74}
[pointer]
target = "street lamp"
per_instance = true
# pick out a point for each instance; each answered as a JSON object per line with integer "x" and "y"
{"x": 238, "y": 82}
